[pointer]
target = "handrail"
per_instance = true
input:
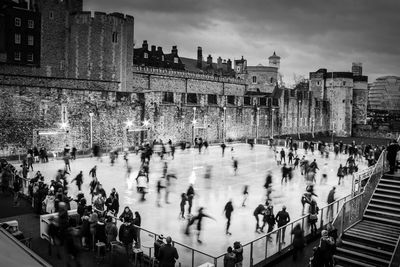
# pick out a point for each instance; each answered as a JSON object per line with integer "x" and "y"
{"x": 27, "y": 250}
{"x": 395, "y": 261}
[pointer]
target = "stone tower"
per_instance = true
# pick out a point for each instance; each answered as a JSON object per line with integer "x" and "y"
{"x": 274, "y": 61}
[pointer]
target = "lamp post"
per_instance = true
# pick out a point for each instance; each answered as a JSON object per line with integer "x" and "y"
{"x": 273, "y": 111}
{"x": 193, "y": 125}
{"x": 91, "y": 114}
{"x": 224, "y": 129}
{"x": 298, "y": 118}
{"x": 257, "y": 122}
{"x": 312, "y": 127}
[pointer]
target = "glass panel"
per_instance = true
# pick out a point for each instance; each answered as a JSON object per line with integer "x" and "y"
{"x": 259, "y": 250}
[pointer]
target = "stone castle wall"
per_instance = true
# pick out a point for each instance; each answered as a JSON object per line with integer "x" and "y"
{"x": 33, "y": 105}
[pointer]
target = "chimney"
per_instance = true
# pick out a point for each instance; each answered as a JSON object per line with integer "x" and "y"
{"x": 356, "y": 68}
{"x": 219, "y": 63}
{"x": 229, "y": 64}
{"x": 145, "y": 46}
{"x": 199, "y": 57}
{"x": 159, "y": 49}
{"x": 174, "y": 50}
{"x": 209, "y": 60}
{"x": 153, "y": 48}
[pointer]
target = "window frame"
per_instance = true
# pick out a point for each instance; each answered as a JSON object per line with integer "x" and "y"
{"x": 31, "y": 24}
{"x": 212, "y": 97}
{"x": 191, "y": 96}
{"x": 264, "y": 101}
{"x": 28, "y": 57}
{"x": 15, "y": 56}
{"x": 17, "y": 38}
{"x": 168, "y": 98}
{"x": 229, "y": 99}
{"x": 32, "y": 39}
{"x": 244, "y": 100}
{"x": 114, "y": 37}
{"x": 17, "y": 22}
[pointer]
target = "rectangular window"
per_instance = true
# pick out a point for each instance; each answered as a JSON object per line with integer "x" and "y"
{"x": 176, "y": 60}
{"x": 17, "y": 38}
{"x": 30, "y": 57}
{"x": 168, "y": 97}
{"x": 191, "y": 98}
{"x": 230, "y": 99}
{"x": 212, "y": 100}
{"x": 18, "y": 22}
{"x": 263, "y": 101}
{"x": 254, "y": 78}
{"x": 115, "y": 37}
{"x": 17, "y": 56}
{"x": 30, "y": 39}
{"x": 31, "y": 24}
{"x": 51, "y": 15}
{"x": 145, "y": 55}
{"x": 269, "y": 102}
{"x": 292, "y": 93}
{"x": 247, "y": 101}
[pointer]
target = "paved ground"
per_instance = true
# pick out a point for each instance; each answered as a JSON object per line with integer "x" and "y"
{"x": 189, "y": 167}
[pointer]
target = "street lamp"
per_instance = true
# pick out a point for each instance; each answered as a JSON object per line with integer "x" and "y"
{"x": 312, "y": 127}
{"x": 273, "y": 111}
{"x": 193, "y": 125}
{"x": 298, "y": 118}
{"x": 224, "y": 129}
{"x": 258, "y": 121}
{"x": 91, "y": 114}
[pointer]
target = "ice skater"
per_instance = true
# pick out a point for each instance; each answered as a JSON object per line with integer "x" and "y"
{"x": 142, "y": 181}
{"x": 268, "y": 185}
{"x": 282, "y": 154}
{"x": 79, "y": 180}
{"x": 199, "y": 218}
{"x": 228, "y": 212}
{"x": 93, "y": 171}
{"x": 182, "y": 205}
{"x": 245, "y": 195}
{"x": 190, "y": 195}
{"x": 223, "y": 146}
{"x": 235, "y": 165}
{"x": 258, "y": 211}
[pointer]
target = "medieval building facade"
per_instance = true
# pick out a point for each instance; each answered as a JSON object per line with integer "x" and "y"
{"x": 90, "y": 73}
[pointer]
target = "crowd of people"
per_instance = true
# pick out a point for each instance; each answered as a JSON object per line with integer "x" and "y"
{"x": 97, "y": 217}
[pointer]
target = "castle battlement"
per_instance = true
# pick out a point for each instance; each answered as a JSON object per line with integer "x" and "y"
{"x": 185, "y": 74}
{"x": 89, "y": 17}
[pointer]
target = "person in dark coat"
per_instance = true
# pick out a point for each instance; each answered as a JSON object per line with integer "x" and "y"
{"x": 79, "y": 180}
{"x": 100, "y": 232}
{"x": 282, "y": 218}
{"x": 168, "y": 254}
{"x": 326, "y": 246}
{"x": 157, "y": 245}
{"x": 259, "y": 210}
{"x": 298, "y": 241}
{"x": 190, "y": 195}
{"x": 126, "y": 235}
{"x": 127, "y": 215}
{"x": 228, "y": 212}
{"x": 392, "y": 150}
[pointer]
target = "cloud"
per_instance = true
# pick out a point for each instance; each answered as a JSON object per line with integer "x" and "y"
{"x": 307, "y": 34}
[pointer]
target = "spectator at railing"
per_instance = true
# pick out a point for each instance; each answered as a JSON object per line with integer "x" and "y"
{"x": 168, "y": 254}
{"x": 238, "y": 250}
{"x": 298, "y": 241}
{"x": 392, "y": 150}
{"x": 230, "y": 258}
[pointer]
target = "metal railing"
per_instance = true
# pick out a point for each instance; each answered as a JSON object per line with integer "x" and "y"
{"x": 395, "y": 260}
{"x": 23, "y": 245}
{"x": 353, "y": 210}
{"x": 280, "y": 240}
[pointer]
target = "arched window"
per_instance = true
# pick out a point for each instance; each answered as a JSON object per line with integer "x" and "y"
{"x": 254, "y": 79}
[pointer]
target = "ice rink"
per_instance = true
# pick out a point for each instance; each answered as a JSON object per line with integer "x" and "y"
{"x": 211, "y": 194}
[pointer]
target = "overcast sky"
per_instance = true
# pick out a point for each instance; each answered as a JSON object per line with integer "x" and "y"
{"x": 307, "y": 34}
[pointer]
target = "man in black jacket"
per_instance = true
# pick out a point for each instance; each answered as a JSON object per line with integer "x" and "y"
{"x": 392, "y": 150}
{"x": 168, "y": 254}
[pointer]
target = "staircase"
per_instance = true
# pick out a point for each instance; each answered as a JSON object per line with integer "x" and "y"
{"x": 372, "y": 241}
